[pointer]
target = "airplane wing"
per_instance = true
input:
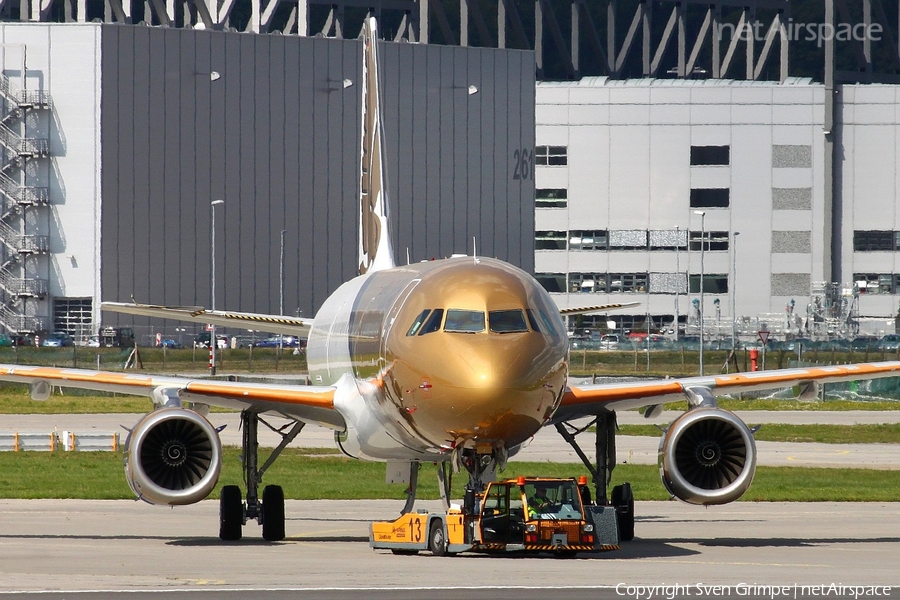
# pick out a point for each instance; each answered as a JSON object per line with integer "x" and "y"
{"x": 312, "y": 404}
{"x": 226, "y": 318}
{"x": 584, "y": 310}
{"x": 590, "y": 399}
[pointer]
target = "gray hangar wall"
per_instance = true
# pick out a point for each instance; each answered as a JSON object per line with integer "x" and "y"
{"x": 276, "y": 136}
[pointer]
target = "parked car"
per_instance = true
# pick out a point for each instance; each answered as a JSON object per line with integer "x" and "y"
{"x": 802, "y": 344}
{"x": 57, "y": 339}
{"x": 93, "y": 341}
{"x": 5, "y": 340}
{"x": 609, "y": 341}
{"x": 171, "y": 344}
{"x": 863, "y": 343}
{"x": 889, "y": 342}
{"x": 202, "y": 340}
{"x": 688, "y": 342}
{"x": 289, "y": 341}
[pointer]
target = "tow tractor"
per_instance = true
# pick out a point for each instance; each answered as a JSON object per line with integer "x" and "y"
{"x": 527, "y": 514}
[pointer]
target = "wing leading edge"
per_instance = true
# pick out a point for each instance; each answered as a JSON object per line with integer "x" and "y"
{"x": 589, "y": 399}
{"x": 584, "y": 310}
{"x": 226, "y": 318}
{"x": 312, "y": 404}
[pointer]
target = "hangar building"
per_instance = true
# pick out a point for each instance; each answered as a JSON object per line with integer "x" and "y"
{"x": 118, "y": 138}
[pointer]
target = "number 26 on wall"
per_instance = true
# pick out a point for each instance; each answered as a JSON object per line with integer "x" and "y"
{"x": 522, "y": 164}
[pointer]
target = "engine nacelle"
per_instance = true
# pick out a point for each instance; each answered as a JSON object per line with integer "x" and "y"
{"x": 173, "y": 456}
{"x": 707, "y": 456}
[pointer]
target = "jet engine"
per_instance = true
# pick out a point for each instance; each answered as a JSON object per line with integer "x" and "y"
{"x": 707, "y": 456}
{"x": 173, "y": 456}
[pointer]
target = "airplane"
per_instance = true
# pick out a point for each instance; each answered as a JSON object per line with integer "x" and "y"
{"x": 457, "y": 361}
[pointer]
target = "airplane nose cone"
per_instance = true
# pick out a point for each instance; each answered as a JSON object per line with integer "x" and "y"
{"x": 481, "y": 387}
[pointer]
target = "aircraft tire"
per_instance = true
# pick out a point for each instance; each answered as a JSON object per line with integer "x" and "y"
{"x": 437, "y": 539}
{"x": 231, "y": 513}
{"x": 623, "y": 500}
{"x": 273, "y": 513}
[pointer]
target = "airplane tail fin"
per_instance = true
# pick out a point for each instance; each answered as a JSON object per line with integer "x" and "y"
{"x": 375, "y": 251}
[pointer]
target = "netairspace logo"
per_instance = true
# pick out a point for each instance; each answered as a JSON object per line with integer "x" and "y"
{"x": 751, "y": 590}
{"x": 803, "y": 32}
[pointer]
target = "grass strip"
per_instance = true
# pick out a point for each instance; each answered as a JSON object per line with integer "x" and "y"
{"x": 98, "y": 475}
{"x": 888, "y": 433}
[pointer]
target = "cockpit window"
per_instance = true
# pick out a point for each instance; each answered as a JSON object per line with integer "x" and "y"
{"x": 533, "y": 319}
{"x": 464, "y": 321}
{"x": 434, "y": 322}
{"x": 507, "y": 321}
{"x": 417, "y": 324}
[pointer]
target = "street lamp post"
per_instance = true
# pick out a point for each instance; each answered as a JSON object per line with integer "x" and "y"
{"x": 281, "y": 278}
{"x": 281, "y": 291}
{"x": 677, "y": 275}
{"x": 734, "y": 291}
{"x": 213, "y": 342}
{"x": 702, "y": 272}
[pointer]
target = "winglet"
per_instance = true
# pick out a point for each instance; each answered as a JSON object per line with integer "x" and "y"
{"x": 375, "y": 251}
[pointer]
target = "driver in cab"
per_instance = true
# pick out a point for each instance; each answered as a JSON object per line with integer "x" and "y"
{"x": 538, "y": 502}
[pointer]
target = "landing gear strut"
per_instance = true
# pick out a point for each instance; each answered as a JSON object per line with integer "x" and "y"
{"x": 269, "y": 511}
{"x": 601, "y": 471}
{"x": 481, "y": 467}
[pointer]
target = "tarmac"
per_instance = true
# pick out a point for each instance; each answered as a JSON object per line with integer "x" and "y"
{"x": 124, "y": 546}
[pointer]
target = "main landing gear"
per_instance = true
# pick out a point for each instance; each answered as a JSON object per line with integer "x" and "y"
{"x": 268, "y": 511}
{"x": 601, "y": 471}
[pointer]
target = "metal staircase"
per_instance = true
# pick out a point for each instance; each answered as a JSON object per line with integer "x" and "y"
{"x": 18, "y": 205}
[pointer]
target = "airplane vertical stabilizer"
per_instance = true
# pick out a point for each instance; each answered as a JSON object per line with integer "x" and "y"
{"x": 375, "y": 251}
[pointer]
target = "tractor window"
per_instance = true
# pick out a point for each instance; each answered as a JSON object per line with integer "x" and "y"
{"x": 464, "y": 321}
{"x": 507, "y": 321}
{"x": 553, "y": 500}
{"x": 434, "y": 322}
{"x": 417, "y": 324}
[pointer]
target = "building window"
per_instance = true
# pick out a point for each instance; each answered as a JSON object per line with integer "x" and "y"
{"x": 792, "y": 198}
{"x": 553, "y": 156}
{"x": 709, "y": 197}
{"x": 608, "y": 282}
{"x": 710, "y": 155}
{"x": 549, "y": 240}
{"x": 712, "y": 284}
{"x": 790, "y": 284}
{"x": 74, "y": 316}
{"x": 551, "y": 198}
{"x": 668, "y": 283}
{"x": 588, "y": 240}
{"x": 791, "y": 242}
{"x": 715, "y": 240}
{"x": 875, "y": 241}
{"x": 794, "y": 157}
{"x": 587, "y": 282}
{"x": 876, "y": 283}
{"x": 668, "y": 239}
{"x": 552, "y": 282}
{"x": 628, "y": 282}
{"x": 628, "y": 239}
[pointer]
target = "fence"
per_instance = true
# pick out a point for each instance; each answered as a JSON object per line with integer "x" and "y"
{"x": 68, "y": 441}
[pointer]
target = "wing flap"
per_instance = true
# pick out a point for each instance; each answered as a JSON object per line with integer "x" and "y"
{"x": 589, "y": 399}
{"x": 226, "y": 318}
{"x": 313, "y": 404}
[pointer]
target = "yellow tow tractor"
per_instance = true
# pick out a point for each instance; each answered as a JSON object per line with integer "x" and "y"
{"x": 527, "y": 514}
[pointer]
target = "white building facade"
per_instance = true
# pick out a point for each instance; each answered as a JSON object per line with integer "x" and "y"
{"x": 632, "y": 175}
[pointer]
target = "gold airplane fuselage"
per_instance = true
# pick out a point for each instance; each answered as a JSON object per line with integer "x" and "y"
{"x": 462, "y": 351}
